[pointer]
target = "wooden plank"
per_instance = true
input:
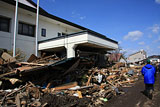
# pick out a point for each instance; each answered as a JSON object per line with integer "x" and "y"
{"x": 8, "y": 74}
{"x": 126, "y": 81}
{"x": 32, "y": 58}
{"x": 84, "y": 87}
{"x": 1, "y": 61}
{"x": 47, "y": 57}
{"x": 65, "y": 86}
{"x": 27, "y": 63}
{"x": 18, "y": 103}
{"x": 79, "y": 94}
{"x": 48, "y": 85}
{"x": 23, "y": 68}
{"x": 111, "y": 76}
{"x": 8, "y": 57}
{"x": 89, "y": 79}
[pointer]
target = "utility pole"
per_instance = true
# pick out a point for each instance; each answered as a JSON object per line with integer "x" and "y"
{"x": 15, "y": 29}
{"x": 37, "y": 25}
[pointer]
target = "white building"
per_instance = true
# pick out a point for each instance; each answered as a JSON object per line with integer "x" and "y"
{"x": 55, "y": 34}
{"x": 138, "y": 56}
{"x": 154, "y": 58}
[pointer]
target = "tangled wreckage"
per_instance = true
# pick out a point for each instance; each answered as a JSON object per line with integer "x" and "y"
{"x": 53, "y": 81}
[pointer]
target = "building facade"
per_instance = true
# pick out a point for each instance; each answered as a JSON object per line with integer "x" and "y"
{"x": 138, "y": 56}
{"x": 154, "y": 58}
{"x": 55, "y": 35}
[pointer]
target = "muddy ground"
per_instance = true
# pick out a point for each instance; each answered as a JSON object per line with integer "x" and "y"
{"x": 135, "y": 98}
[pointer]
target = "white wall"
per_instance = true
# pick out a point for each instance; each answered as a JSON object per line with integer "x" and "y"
{"x": 5, "y": 37}
{"x": 63, "y": 42}
{"x": 26, "y": 43}
{"x": 52, "y": 28}
{"x": 79, "y": 39}
{"x": 71, "y": 42}
{"x": 137, "y": 56}
{"x": 155, "y": 60}
{"x": 101, "y": 42}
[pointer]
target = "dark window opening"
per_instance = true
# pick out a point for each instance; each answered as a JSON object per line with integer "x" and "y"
{"x": 64, "y": 33}
{"x": 4, "y": 24}
{"x": 43, "y": 32}
{"x": 59, "y": 34}
{"x": 26, "y": 29}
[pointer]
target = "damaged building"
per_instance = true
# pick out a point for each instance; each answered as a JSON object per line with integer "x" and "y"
{"x": 55, "y": 35}
{"x": 137, "y": 56}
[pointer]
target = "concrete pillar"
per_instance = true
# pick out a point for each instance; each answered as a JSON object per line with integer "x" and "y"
{"x": 39, "y": 54}
{"x": 70, "y": 48}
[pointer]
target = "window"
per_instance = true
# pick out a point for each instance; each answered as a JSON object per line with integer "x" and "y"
{"x": 26, "y": 29}
{"x": 4, "y": 24}
{"x": 59, "y": 34}
{"x": 64, "y": 33}
{"x": 43, "y": 32}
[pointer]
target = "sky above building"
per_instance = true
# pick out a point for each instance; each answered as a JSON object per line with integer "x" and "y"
{"x": 135, "y": 24}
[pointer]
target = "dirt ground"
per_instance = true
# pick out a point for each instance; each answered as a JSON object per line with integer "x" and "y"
{"x": 64, "y": 101}
{"x": 135, "y": 98}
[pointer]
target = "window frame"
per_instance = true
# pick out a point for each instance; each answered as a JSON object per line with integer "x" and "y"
{"x": 43, "y": 32}
{"x": 63, "y": 34}
{"x": 27, "y": 32}
{"x": 8, "y": 23}
{"x": 59, "y": 34}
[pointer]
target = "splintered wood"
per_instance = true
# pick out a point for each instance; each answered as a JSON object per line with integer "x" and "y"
{"x": 27, "y": 83}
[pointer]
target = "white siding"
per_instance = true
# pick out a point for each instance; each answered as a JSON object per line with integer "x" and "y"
{"x": 26, "y": 43}
{"x": 63, "y": 42}
{"x": 75, "y": 40}
{"x": 53, "y": 28}
{"x": 137, "y": 56}
{"x": 102, "y": 42}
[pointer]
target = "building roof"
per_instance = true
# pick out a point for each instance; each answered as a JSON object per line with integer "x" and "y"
{"x": 42, "y": 12}
{"x": 46, "y": 14}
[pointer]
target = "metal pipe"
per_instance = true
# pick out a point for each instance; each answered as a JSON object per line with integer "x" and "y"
{"x": 37, "y": 25}
{"x": 15, "y": 29}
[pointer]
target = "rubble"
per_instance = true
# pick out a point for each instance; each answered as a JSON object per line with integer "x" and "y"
{"x": 53, "y": 81}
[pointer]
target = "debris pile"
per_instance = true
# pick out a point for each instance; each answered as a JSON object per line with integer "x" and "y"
{"x": 52, "y": 81}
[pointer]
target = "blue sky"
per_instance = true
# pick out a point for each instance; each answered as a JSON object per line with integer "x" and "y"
{"x": 135, "y": 24}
